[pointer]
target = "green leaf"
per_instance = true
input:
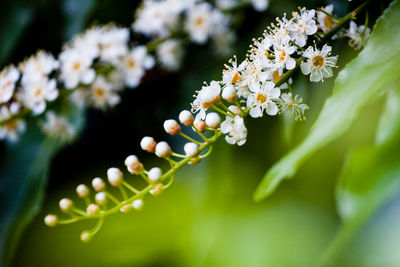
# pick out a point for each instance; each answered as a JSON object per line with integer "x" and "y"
{"x": 14, "y": 22}
{"x": 24, "y": 173}
{"x": 76, "y": 12}
{"x": 361, "y": 82}
{"x": 370, "y": 177}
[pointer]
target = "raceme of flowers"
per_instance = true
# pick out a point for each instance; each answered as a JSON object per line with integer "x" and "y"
{"x": 95, "y": 66}
{"x": 260, "y": 85}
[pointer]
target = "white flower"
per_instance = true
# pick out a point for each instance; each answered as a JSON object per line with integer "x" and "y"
{"x": 186, "y": 118}
{"x": 235, "y": 129}
{"x": 114, "y": 176}
{"x": 191, "y": 149}
{"x": 156, "y": 18}
{"x": 7, "y": 112}
{"x": 324, "y": 20}
{"x": 154, "y": 174}
{"x": 170, "y": 53}
{"x": 229, "y": 93}
{"x": 103, "y": 94}
{"x": 262, "y": 98}
{"x": 114, "y": 44}
{"x": 203, "y": 22}
{"x": 282, "y": 56}
{"x": 12, "y": 130}
{"x": 57, "y": 126}
{"x": 35, "y": 94}
{"x": 213, "y": 120}
{"x": 292, "y": 106}
{"x": 318, "y": 63}
{"x": 260, "y": 5}
{"x": 88, "y": 42}
{"x": 76, "y": 67}
{"x": 148, "y": 144}
{"x": 303, "y": 25}
{"x": 163, "y": 150}
{"x": 358, "y": 35}
{"x": 206, "y": 97}
{"x": 134, "y": 65}
{"x": 172, "y": 127}
{"x": 38, "y": 66}
{"x": 8, "y": 77}
{"x": 227, "y": 4}
{"x": 231, "y": 74}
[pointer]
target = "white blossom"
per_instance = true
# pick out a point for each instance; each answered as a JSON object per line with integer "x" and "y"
{"x": 304, "y": 24}
{"x": 103, "y": 94}
{"x": 8, "y": 77}
{"x": 292, "y": 106}
{"x": 37, "y": 67}
{"x": 134, "y": 65}
{"x": 57, "y": 126}
{"x": 113, "y": 44}
{"x": 170, "y": 54}
{"x": 262, "y": 99}
{"x": 206, "y": 97}
{"x": 260, "y": 5}
{"x": 325, "y": 21}
{"x": 318, "y": 63}
{"x": 358, "y": 35}
{"x": 235, "y": 130}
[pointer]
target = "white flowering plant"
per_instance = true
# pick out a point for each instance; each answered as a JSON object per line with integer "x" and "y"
{"x": 263, "y": 84}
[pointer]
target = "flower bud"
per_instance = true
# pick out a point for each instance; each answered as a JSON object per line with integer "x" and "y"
{"x": 82, "y": 191}
{"x": 126, "y": 208}
{"x": 163, "y": 150}
{"x": 101, "y": 198}
{"x": 229, "y": 93}
{"x": 137, "y": 204}
{"x": 191, "y": 149}
{"x": 148, "y": 144}
{"x": 213, "y": 120}
{"x": 235, "y": 109}
{"x": 157, "y": 190}
{"x": 51, "y": 220}
{"x": 186, "y": 118}
{"x": 66, "y": 204}
{"x": 86, "y": 236}
{"x": 92, "y": 209}
{"x": 199, "y": 124}
{"x": 172, "y": 127}
{"x": 155, "y": 174}
{"x": 133, "y": 164}
{"x": 114, "y": 176}
{"x": 98, "y": 184}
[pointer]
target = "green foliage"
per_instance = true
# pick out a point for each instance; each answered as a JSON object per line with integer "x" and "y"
{"x": 369, "y": 178}
{"x": 24, "y": 173}
{"x": 361, "y": 82}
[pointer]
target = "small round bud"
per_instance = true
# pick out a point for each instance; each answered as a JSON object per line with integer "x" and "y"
{"x": 92, "y": 209}
{"x": 86, "y": 236}
{"x": 148, "y": 144}
{"x": 163, "y": 150}
{"x": 191, "y": 149}
{"x": 101, "y": 198}
{"x": 155, "y": 174}
{"x": 114, "y": 176}
{"x": 66, "y": 204}
{"x": 133, "y": 164}
{"x": 199, "y": 124}
{"x": 126, "y": 208}
{"x": 82, "y": 191}
{"x": 51, "y": 220}
{"x": 213, "y": 120}
{"x": 172, "y": 127}
{"x": 157, "y": 190}
{"x": 98, "y": 184}
{"x": 137, "y": 204}
{"x": 229, "y": 93}
{"x": 186, "y": 118}
{"x": 235, "y": 109}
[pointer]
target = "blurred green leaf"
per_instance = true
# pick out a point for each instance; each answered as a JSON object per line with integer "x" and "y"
{"x": 76, "y": 13}
{"x": 23, "y": 177}
{"x": 361, "y": 82}
{"x": 14, "y": 22}
{"x": 370, "y": 177}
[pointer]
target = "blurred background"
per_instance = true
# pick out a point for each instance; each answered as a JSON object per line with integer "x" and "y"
{"x": 208, "y": 217}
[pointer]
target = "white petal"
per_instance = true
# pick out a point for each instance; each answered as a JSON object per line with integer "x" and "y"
{"x": 315, "y": 76}
{"x": 88, "y": 76}
{"x": 230, "y": 140}
{"x": 275, "y": 93}
{"x": 327, "y": 72}
{"x": 305, "y": 68}
{"x": 226, "y": 127}
{"x": 255, "y": 112}
{"x": 272, "y": 109}
{"x": 290, "y": 63}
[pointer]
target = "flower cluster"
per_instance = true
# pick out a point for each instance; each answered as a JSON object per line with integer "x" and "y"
{"x": 95, "y": 66}
{"x": 260, "y": 85}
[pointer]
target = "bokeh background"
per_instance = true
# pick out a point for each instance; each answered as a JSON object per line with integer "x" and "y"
{"x": 207, "y": 218}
